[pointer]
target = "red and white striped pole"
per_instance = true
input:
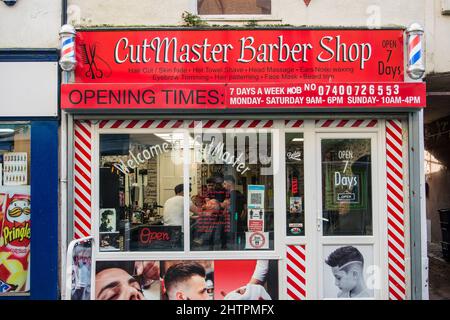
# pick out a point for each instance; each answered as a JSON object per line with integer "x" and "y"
{"x": 416, "y": 56}
{"x": 67, "y": 60}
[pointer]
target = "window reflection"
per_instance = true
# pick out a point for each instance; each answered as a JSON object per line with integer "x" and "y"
{"x": 141, "y": 203}
{"x": 232, "y": 187}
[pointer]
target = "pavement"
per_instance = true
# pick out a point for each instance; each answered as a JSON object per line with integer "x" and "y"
{"x": 439, "y": 273}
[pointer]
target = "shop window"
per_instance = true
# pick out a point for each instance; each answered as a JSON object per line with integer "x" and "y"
{"x": 232, "y": 190}
{"x": 225, "y": 7}
{"x": 295, "y": 187}
{"x": 141, "y": 192}
{"x": 346, "y": 187}
{"x": 15, "y": 210}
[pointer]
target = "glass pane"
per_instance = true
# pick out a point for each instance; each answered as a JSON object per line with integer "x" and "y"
{"x": 205, "y": 7}
{"x": 232, "y": 190}
{"x": 295, "y": 183}
{"x": 15, "y": 207}
{"x": 346, "y": 187}
{"x": 141, "y": 192}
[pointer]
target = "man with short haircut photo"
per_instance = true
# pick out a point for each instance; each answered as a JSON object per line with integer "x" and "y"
{"x": 347, "y": 265}
{"x": 186, "y": 281}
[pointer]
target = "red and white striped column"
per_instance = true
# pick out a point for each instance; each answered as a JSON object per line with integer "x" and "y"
{"x": 296, "y": 272}
{"x": 82, "y": 179}
{"x": 395, "y": 210}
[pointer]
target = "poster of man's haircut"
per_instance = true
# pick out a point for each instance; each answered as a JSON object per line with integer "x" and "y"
{"x": 348, "y": 272}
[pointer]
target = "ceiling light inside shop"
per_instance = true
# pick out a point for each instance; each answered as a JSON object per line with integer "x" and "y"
{"x": 6, "y": 130}
{"x": 297, "y": 140}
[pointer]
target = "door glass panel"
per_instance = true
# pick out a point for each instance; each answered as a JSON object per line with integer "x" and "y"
{"x": 346, "y": 187}
{"x": 295, "y": 196}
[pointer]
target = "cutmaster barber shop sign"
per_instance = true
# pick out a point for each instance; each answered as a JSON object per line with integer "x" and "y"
{"x": 239, "y": 56}
{"x": 232, "y": 69}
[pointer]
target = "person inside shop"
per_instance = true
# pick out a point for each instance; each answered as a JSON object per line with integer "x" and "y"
{"x": 215, "y": 189}
{"x": 347, "y": 265}
{"x": 174, "y": 208}
{"x": 207, "y": 223}
{"x": 124, "y": 280}
{"x": 214, "y": 197}
{"x": 235, "y": 207}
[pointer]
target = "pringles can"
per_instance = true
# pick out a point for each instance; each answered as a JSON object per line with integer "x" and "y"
{"x": 15, "y": 243}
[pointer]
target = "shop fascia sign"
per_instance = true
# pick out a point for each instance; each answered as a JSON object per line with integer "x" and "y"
{"x": 240, "y": 69}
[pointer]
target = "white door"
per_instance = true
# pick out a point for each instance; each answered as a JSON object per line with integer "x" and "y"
{"x": 348, "y": 216}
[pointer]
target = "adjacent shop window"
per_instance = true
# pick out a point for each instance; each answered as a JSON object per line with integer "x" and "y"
{"x": 187, "y": 280}
{"x": 346, "y": 187}
{"x": 232, "y": 190}
{"x": 217, "y": 7}
{"x": 141, "y": 192}
{"x": 15, "y": 210}
{"x": 295, "y": 185}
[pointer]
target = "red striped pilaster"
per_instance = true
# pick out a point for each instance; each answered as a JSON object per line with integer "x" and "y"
{"x": 296, "y": 272}
{"x": 82, "y": 179}
{"x": 395, "y": 210}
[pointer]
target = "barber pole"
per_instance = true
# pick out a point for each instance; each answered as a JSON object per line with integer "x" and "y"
{"x": 416, "y": 65}
{"x": 67, "y": 35}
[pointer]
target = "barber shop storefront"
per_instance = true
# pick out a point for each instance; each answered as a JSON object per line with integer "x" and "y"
{"x": 242, "y": 164}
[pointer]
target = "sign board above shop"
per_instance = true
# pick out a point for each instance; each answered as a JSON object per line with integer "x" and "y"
{"x": 228, "y": 69}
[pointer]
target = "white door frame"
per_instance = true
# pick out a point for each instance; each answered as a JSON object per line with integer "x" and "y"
{"x": 378, "y": 212}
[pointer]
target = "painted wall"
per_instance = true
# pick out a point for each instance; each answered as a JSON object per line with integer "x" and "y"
{"x": 30, "y": 24}
{"x": 35, "y": 23}
{"x": 348, "y": 13}
{"x": 37, "y": 78}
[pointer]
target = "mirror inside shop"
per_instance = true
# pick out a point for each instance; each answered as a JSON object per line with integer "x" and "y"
{"x": 143, "y": 202}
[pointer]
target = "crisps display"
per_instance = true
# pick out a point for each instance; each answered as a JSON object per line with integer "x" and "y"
{"x": 15, "y": 242}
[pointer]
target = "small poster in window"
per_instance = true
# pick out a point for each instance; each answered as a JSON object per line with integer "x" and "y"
{"x": 255, "y": 220}
{"x": 107, "y": 220}
{"x": 256, "y": 240}
{"x": 295, "y": 205}
{"x": 109, "y": 241}
{"x": 15, "y": 169}
{"x": 255, "y": 196}
{"x": 136, "y": 218}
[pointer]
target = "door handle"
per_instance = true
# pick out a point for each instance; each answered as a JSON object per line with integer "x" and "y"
{"x": 320, "y": 219}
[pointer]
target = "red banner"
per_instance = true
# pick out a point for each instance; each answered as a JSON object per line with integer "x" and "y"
{"x": 231, "y": 96}
{"x": 239, "y": 56}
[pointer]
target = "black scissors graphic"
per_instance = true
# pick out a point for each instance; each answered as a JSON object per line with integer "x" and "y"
{"x": 88, "y": 57}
